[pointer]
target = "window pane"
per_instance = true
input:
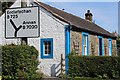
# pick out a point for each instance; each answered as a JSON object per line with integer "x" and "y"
{"x": 45, "y": 43}
{"x": 85, "y": 50}
{"x": 47, "y": 47}
{"x": 48, "y": 51}
{"x": 84, "y": 40}
{"x": 85, "y": 44}
{"x": 109, "y": 43}
{"x": 45, "y": 52}
{"x": 110, "y": 47}
{"x": 49, "y": 43}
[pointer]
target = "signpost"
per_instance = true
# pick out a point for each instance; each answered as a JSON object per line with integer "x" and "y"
{"x": 22, "y": 22}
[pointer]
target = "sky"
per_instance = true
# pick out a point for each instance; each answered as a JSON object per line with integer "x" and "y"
{"x": 80, "y": 0}
{"x": 105, "y": 12}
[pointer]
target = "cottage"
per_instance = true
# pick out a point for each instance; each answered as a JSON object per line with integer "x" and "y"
{"x": 61, "y": 33}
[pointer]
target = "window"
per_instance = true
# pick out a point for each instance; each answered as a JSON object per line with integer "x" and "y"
{"x": 85, "y": 44}
{"x": 110, "y": 47}
{"x": 47, "y": 48}
{"x": 100, "y": 46}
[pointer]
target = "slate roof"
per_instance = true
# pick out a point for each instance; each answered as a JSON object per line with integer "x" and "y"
{"x": 75, "y": 21}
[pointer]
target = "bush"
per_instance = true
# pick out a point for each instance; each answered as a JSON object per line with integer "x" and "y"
{"x": 19, "y": 62}
{"x": 94, "y": 66}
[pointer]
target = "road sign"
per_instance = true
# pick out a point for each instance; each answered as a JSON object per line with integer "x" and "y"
{"x": 22, "y": 22}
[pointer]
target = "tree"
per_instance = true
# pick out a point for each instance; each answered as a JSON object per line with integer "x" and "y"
{"x": 19, "y": 62}
{"x": 4, "y": 4}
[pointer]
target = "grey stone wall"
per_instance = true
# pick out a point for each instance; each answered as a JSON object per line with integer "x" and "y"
{"x": 76, "y": 42}
{"x": 93, "y": 45}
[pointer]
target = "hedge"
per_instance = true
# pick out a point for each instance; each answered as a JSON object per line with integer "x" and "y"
{"x": 19, "y": 62}
{"x": 94, "y": 66}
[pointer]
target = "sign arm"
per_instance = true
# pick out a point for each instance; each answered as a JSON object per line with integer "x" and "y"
{"x": 13, "y": 24}
{"x": 16, "y": 29}
{"x": 19, "y": 27}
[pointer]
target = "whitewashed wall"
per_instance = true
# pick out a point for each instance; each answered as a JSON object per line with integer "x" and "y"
{"x": 50, "y": 27}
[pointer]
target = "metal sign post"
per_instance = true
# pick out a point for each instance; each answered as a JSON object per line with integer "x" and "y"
{"x": 24, "y": 40}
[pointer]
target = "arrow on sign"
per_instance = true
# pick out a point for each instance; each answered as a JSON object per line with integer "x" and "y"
{"x": 16, "y": 29}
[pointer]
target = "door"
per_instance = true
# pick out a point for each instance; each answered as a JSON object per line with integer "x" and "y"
{"x": 100, "y": 46}
{"x": 110, "y": 47}
{"x": 85, "y": 44}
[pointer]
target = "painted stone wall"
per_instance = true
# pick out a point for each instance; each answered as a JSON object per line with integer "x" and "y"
{"x": 93, "y": 48}
{"x": 51, "y": 28}
{"x": 114, "y": 48}
{"x": 76, "y": 42}
{"x": 106, "y": 47}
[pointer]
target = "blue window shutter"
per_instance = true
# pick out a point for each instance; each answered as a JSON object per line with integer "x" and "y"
{"x": 43, "y": 56}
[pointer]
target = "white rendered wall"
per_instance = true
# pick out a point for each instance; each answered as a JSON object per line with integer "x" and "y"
{"x": 50, "y": 28}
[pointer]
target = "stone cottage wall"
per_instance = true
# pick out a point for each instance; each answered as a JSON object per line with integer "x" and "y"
{"x": 114, "y": 48}
{"x": 76, "y": 42}
{"x": 93, "y": 45}
{"x": 106, "y": 47}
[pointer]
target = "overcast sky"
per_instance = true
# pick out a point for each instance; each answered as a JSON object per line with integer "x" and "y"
{"x": 104, "y": 13}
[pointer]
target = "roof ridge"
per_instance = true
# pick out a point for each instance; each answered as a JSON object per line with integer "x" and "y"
{"x": 48, "y": 9}
{"x": 68, "y": 13}
{"x": 74, "y": 20}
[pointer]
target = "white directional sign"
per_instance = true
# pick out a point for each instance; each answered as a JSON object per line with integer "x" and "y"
{"x": 22, "y": 22}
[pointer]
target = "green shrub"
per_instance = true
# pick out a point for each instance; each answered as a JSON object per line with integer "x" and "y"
{"x": 94, "y": 66}
{"x": 19, "y": 62}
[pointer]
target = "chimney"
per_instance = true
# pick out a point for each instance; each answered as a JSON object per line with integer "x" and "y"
{"x": 88, "y": 16}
